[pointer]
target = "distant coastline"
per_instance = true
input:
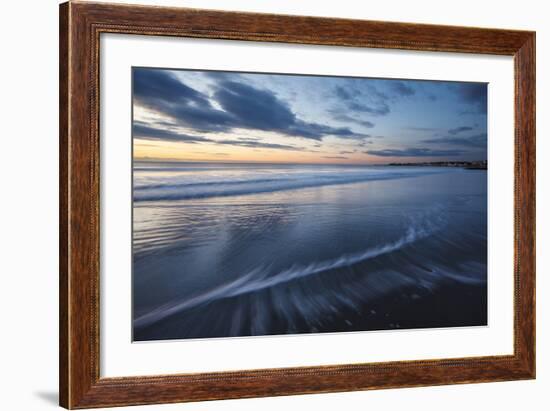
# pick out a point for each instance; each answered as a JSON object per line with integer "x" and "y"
{"x": 469, "y": 165}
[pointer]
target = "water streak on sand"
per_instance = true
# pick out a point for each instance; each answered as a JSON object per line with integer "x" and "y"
{"x": 259, "y": 278}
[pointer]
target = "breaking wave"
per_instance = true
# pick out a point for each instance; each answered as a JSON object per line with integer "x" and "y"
{"x": 254, "y": 184}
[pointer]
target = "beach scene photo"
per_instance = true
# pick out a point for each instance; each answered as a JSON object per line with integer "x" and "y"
{"x": 276, "y": 204}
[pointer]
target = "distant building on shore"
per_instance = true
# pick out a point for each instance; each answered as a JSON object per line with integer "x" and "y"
{"x": 470, "y": 165}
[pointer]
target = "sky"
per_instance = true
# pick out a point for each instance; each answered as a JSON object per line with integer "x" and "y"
{"x": 191, "y": 115}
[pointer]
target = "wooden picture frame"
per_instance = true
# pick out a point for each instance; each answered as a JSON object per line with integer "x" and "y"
{"x": 80, "y": 27}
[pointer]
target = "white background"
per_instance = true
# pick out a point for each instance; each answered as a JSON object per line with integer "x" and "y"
{"x": 28, "y": 218}
{"x": 121, "y": 358}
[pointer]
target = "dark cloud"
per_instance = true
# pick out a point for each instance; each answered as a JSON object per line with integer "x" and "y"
{"x": 348, "y": 93}
{"x": 222, "y": 75}
{"x": 161, "y": 85}
{"x": 478, "y": 140}
{"x": 318, "y": 131}
{"x": 420, "y": 128}
{"x": 254, "y": 108}
{"x": 160, "y": 91}
{"x": 262, "y": 110}
{"x": 146, "y": 132}
{"x": 339, "y": 116}
{"x": 459, "y": 130}
{"x": 336, "y": 157}
{"x": 376, "y": 94}
{"x": 380, "y": 109}
{"x": 414, "y": 152}
{"x": 363, "y": 99}
{"x": 402, "y": 89}
{"x": 474, "y": 95}
{"x": 256, "y": 144}
{"x": 243, "y": 106}
{"x": 346, "y": 152}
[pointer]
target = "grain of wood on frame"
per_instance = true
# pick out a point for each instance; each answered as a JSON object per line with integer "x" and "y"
{"x": 80, "y": 28}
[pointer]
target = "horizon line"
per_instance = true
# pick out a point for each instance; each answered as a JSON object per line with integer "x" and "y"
{"x": 174, "y": 160}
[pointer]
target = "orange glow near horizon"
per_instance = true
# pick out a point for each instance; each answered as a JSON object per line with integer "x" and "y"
{"x": 161, "y": 150}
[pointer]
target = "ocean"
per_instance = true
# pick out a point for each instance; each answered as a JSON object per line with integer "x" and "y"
{"x": 227, "y": 250}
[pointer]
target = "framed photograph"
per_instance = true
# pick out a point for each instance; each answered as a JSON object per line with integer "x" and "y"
{"x": 258, "y": 205}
